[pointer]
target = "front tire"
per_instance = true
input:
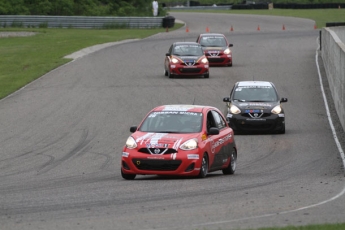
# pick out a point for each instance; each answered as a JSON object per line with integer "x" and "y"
{"x": 127, "y": 176}
{"x": 204, "y": 167}
{"x": 207, "y": 75}
{"x": 232, "y": 165}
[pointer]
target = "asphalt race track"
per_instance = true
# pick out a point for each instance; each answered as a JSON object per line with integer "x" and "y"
{"x": 61, "y": 138}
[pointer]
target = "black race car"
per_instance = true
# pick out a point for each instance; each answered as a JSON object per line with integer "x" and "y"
{"x": 254, "y": 106}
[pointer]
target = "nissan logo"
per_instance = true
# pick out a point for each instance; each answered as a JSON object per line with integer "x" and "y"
{"x": 157, "y": 151}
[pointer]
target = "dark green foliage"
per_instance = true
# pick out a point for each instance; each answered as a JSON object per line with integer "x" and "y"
{"x": 79, "y": 7}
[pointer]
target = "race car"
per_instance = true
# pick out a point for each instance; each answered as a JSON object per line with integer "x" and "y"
{"x": 254, "y": 106}
{"x": 180, "y": 140}
{"x": 186, "y": 59}
{"x": 216, "y": 48}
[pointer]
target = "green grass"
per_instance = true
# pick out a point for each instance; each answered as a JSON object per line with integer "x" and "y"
{"x": 25, "y": 59}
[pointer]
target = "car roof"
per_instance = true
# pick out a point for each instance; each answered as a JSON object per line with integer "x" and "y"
{"x": 254, "y": 83}
{"x": 182, "y": 108}
{"x": 212, "y": 34}
{"x": 186, "y": 43}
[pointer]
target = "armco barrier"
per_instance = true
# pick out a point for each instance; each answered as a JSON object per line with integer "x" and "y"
{"x": 79, "y": 21}
{"x": 333, "y": 56}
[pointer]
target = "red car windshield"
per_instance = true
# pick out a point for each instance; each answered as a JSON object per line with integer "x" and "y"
{"x": 188, "y": 50}
{"x": 172, "y": 122}
{"x": 213, "y": 41}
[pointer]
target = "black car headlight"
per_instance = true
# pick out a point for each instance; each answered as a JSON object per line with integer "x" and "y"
{"x": 234, "y": 109}
{"x": 276, "y": 110}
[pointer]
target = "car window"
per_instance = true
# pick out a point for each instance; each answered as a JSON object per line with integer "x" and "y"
{"x": 257, "y": 93}
{"x": 219, "y": 121}
{"x": 187, "y": 50}
{"x": 172, "y": 122}
{"x": 213, "y": 41}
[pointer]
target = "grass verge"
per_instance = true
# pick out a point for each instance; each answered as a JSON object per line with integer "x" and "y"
{"x": 27, "y": 58}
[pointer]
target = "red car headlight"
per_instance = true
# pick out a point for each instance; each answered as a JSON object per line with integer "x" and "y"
{"x": 130, "y": 143}
{"x": 227, "y": 51}
{"x": 174, "y": 60}
{"x": 189, "y": 145}
{"x": 204, "y": 61}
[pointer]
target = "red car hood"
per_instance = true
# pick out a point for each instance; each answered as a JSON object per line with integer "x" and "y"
{"x": 162, "y": 140}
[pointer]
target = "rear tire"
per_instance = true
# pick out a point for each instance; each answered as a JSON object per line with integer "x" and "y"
{"x": 204, "y": 167}
{"x": 127, "y": 176}
{"x": 232, "y": 165}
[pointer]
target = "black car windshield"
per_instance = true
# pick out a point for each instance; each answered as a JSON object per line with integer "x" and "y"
{"x": 188, "y": 50}
{"x": 213, "y": 41}
{"x": 255, "y": 94}
{"x": 172, "y": 122}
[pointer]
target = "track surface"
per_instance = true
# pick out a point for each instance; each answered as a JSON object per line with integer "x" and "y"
{"x": 61, "y": 138}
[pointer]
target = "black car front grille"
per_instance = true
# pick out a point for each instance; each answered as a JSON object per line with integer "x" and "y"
{"x": 258, "y": 127}
{"x": 216, "y": 60}
{"x": 253, "y": 115}
{"x": 190, "y": 70}
{"x": 155, "y": 151}
{"x": 156, "y": 165}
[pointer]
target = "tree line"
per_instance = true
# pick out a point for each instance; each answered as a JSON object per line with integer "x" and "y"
{"x": 78, "y": 7}
{"x": 140, "y": 8}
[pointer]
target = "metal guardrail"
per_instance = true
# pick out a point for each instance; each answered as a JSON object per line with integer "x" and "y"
{"x": 79, "y": 21}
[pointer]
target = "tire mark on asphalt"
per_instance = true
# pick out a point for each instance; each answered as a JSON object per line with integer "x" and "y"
{"x": 82, "y": 143}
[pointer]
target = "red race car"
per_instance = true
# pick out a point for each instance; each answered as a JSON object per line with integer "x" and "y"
{"x": 186, "y": 59}
{"x": 216, "y": 48}
{"x": 180, "y": 140}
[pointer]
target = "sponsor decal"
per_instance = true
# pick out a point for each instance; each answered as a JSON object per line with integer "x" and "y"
{"x": 281, "y": 115}
{"x": 203, "y": 137}
{"x": 173, "y": 156}
{"x": 155, "y": 157}
{"x": 253, "y": 111}
{"x": 193, "y": 156}
{"x": 125, "y": 154}
{"x": 157, "y": 145}
{"x": 260, "y": 104}
{"x": 229, "y": 115}
{"x": 220, "y": 141}
{"x": 177, "y": 144}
